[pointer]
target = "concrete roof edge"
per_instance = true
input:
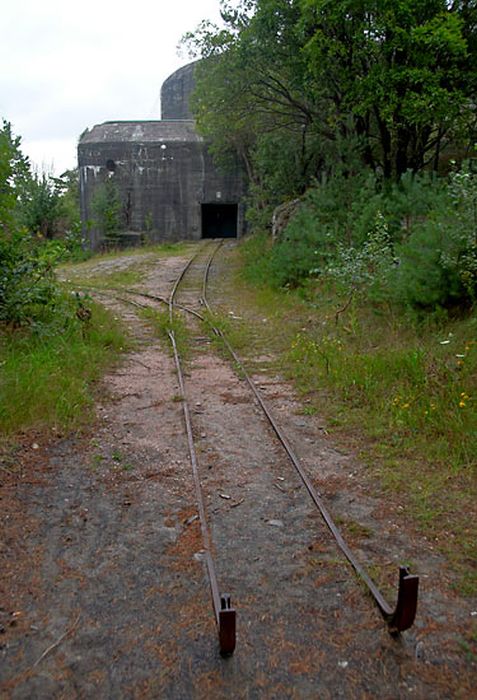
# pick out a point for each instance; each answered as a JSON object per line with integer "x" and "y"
{"x": 123, "y": 131}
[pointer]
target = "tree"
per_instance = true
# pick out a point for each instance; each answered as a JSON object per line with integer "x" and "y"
{"x": 41, "y": 208}
{"x": 69, "y": 210}
{"x": 392, "y": 81}
{"x": 106, "y": 206}
{"x": 400, "y": 68}
{"x": 251, "y": 101}
{"x": 14, "y": 177}
{"x": 27, "y": 284}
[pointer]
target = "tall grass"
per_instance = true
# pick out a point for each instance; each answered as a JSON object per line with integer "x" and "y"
{"x": 47, "y": 378}
{"x": 417, "y": 390}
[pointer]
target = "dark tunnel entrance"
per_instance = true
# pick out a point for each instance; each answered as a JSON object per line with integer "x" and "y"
{"x": 219, "y": 220}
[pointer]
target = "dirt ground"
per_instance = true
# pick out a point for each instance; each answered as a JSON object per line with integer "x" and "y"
{"x": 103, "y": 588}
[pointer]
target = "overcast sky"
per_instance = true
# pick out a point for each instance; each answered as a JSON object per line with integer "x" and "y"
{"x": 66, "y": 66}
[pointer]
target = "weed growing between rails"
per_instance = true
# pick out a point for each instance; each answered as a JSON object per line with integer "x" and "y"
{"x": 47, "y": 378}
{"x": 162, "y": 325}
{"x": 232, "y": 326}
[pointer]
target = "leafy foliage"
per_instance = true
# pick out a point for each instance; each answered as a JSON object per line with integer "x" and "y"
{"x": 367, "y": 267}
{"x": 14, "y": 176}
{"x": 42, "y": 329}
{"x": 28, "y": 288}
{"x": 106, "y": 206}
{"x": 345, "y": 104}
{"x": 400, "y": 70}
{"x": 29, "y": 206}
{"x": 299, "y": 89}
{"x": 439, "y": 260}
{"x": 40, "y": 212}
{"x": 413, "y": 243}
{"x": 51, "y": 204}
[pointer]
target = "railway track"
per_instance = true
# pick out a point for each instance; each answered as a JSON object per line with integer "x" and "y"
{"x": 189, "y": 295}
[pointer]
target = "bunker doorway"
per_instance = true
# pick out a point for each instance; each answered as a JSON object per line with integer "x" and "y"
{"x": 219, "y": 220}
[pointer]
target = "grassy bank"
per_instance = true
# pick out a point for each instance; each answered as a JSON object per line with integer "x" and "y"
{"x": 48, "y": 371}
{"x": 47, "y": 375}
{"x": 401, "y": 392}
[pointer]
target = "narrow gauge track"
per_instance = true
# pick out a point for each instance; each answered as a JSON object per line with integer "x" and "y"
{"x": 197, "y": 269}
{"x": 225, "y": 615}
{"x": 402, "y": 616}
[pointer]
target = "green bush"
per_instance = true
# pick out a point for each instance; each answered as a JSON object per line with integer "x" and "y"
{"x": 28, "y": 288}
{"x": 29, "y": 293}
{"x": 439, "y": 260}
{"x": 422, "y": 280}
{"x": 304, "y": 247}
{"x": 368, "y": 267}
{"x": 410, "y": 200}
{"x": 413, "y": 243}
{"x": 106, "y": 206}
{"x": 336, "y": 215}
{"x": 40, "y": 209}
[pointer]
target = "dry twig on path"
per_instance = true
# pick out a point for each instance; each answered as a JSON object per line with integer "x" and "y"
{"x": 58, "y": 642}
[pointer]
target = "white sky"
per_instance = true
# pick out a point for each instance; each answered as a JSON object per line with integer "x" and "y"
{"x": 66, "y": 66}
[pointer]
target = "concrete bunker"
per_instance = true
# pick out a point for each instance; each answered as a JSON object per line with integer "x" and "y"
{"x": 160, "y": 175}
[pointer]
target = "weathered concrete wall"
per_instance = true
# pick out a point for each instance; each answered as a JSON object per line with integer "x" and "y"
{"x": 175, "y": 94}
{"x": 162, "y": 171}
{"x": 163, "y": 174}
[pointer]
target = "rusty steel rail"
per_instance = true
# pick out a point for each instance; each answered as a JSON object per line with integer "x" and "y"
{"x": 112, "y": 292}
{"x": 225, "y": 614}
{"x": 402, "y": 616}
{"x": 163, "y": 300}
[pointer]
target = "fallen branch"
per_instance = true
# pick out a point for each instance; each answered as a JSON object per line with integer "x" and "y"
{"x": 150, "y": 405}
{"x": 345, "y": 307}
{"x": 58, "y": 642}
{"x": 143, "y": 364}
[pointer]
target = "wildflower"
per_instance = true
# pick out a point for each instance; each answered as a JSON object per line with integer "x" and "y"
{"x": 405, "y": 405}
{"x": 461, "y": 404}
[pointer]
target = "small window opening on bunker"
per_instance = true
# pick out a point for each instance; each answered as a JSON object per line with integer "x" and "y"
{"x": 219, "y": 220}
{"x": 111, "y": 166}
